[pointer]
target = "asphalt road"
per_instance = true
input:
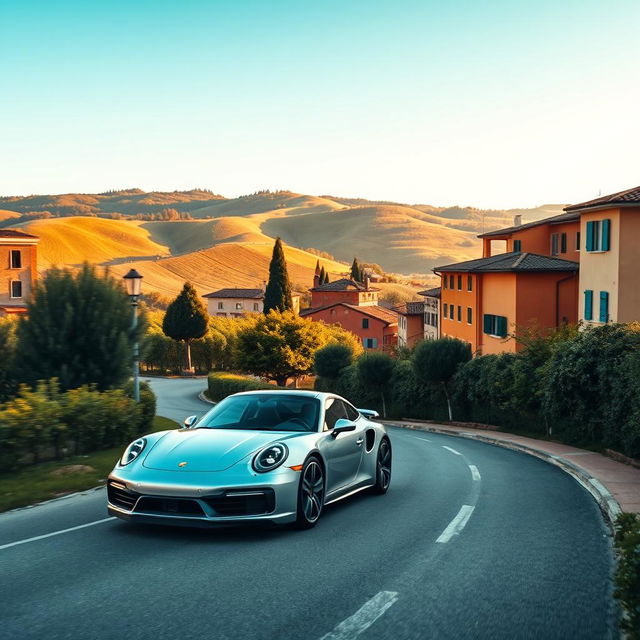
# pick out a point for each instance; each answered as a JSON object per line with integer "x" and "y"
{"x": 471, "y": 541}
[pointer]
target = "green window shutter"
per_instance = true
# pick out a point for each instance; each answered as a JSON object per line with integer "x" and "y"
{"x": 502, "y": 327}
{"x": 604, "y": 306}
{"x": 588, "y": 304}
{"x": 517, "y": 246}
{"x": 606, "y": 235}
{"x": 590, "y": 237}
{"x": 487, "y": 322}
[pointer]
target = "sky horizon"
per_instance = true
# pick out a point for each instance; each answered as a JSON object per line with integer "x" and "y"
{"x": 492, "y": 105}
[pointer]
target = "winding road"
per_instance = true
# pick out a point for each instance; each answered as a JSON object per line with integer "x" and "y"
{"x": 471, "y": 541}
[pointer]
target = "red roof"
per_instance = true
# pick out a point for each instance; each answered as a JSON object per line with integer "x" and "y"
{"x": 13, "y": 233}
{"x": 375, "y": 311}
{"x": 626, "y": 197}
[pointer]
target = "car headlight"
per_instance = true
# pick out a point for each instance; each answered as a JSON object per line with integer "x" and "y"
{"x": 270, "y": 457}
{"x": 133, "y": 451}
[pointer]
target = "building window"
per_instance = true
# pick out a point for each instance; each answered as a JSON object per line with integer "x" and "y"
{"x": 333, "y": 312}
{"x": 469, "y": 283}
{"x": 370, "y": 343}
{"x": 459, "y": 313}
{"x": 517, "y": 246}
{"x": 577, "y": 241}
{"x": 495, "y": 325}
{"x": 446, "y": 309}
{"x": 444, "y": 282}
{"x": 220, "y": 305}
{"x": 256, "y": 306}
{"x": 588, "y": 304}
{"x": 365, "y": 323}
{"x": 238, "y": 305}
{"x": 452, "y": 284}
{"x": 554, "y": 244}
{"x": 469, "y": 315}
{"x": 16, "y": 289}
{"x": 563, "y": 243}
{"x": 459, "y": 283}
{"x": 599, "y": 235}
{"x": 16, "y": 259}
{"x": 451, "y": 311}
{"x": 604, "y": 306}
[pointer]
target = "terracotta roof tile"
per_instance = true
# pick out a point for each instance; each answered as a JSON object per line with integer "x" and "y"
{"x": 257, "y": 294}
{"x": 629, "y": 196}
{"x": 509, "y": 262}
{"x": 559, "y": 219}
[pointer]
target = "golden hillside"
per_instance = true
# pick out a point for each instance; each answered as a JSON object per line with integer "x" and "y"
{"x": 71, "y": 241}
{"x": 6, "y": 215}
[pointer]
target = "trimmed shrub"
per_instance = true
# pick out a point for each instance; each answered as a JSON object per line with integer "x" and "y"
{"x": 222, "y": 385}
{"x": 627, "y": 576}
{"x": 330, "y": 360}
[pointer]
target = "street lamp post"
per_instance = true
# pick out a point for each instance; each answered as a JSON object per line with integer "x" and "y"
{"x": 133, "y": 284}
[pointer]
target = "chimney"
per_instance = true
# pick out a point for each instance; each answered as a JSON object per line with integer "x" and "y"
{"x": 367, "y": 281}
{"x": 316, "y": 279}
{"x": 264, "y": 286}
{"x": 517, "y": 220}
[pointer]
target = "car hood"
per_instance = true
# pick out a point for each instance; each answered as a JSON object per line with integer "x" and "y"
{"x": 208, "y": 449}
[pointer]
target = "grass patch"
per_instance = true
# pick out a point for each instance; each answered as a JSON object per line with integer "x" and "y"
{"x": 40, "y": 482}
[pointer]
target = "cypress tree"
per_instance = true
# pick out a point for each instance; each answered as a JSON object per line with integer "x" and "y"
{"x": 355, "y": 270}
{"x": 326, "y": 277}
{"x": 186, "y": 319}
{"x": 323, "y": 276}
{"x": 278, "y": 292}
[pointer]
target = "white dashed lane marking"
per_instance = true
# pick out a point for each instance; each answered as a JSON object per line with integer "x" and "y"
{"x": 475, "y": 474}
{"x": 444, "y": 446}
{"x": 457, "y": 524}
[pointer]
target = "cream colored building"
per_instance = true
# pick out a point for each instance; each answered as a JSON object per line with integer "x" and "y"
{"x": 233, "y": 303}
{"x": 18, "y": 270}
{"x": 609, "y": 257}
{"x": 431, "y": 313}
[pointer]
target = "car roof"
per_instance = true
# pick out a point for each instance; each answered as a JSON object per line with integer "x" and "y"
{"x": 292, "y": 392}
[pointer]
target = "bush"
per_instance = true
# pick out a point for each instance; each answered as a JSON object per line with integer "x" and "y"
{"x": 147, "y": 404}
{"x": 375, "y": 372}
{"x": 43, "y": 423}
{"x": 330, "y": 360}
{"x": 627, "y": 576}
{"x": 222, "y": 385}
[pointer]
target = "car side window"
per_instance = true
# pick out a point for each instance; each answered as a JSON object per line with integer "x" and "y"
{"x": 333, "y": 412}
{"x": 352, "y": 414}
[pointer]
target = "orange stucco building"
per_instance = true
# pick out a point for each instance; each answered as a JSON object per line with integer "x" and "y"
{"x": 354, "y": 306}
{"x": 18, "y": 270}
{"x": 485, "y": 302}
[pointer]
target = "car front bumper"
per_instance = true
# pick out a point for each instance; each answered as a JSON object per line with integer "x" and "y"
{"x": 200, "y": 499}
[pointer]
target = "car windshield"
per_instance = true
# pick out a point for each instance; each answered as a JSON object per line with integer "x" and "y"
{"x": 264, "y": 412}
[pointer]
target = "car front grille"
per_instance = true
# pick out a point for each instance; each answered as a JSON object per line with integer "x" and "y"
{"x": 170, "y": 506}
{"x": 243, "y": 503}
{"x": 120, "y": 496}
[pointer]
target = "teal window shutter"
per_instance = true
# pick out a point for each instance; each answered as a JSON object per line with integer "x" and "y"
{"x": 486, "y": 323}
{"x": 502, "y": 327}
{"x": 606, "y": 235}
{"x": 604, "y": 306}
{"x": 588, "y": 304}
{"x": 590, "y": 237}
{"x": 517, "y": 246}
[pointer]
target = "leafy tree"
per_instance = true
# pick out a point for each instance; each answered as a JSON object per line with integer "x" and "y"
{"x": 280, "y": 345}
{"x": 78, "y": 329}
{"x": 330, "y": 360}
{"x": 277, "y": 295}
{"x": 186, "y": 319}
{"x": 375, "y": 370}
{"x": 436, "y": 361}
{"x": 356, "y": 271}
{"x": 8, "y": 384}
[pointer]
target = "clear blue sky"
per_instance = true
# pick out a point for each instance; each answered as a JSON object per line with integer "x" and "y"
{"x": 485, "y": 103}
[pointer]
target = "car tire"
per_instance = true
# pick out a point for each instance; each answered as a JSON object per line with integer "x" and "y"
{"x": 383, "y": 468}
{"x": 310, "y": 494}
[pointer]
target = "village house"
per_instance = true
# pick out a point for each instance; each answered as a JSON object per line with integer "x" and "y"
{"x": 18, "y": 270}
{"x": 431, "y": 324}
{"x": 410, "y": 323}
{"x": 234, "y": 302}
{"x": 610, "y": 227}
{"x": 354, "y": 306}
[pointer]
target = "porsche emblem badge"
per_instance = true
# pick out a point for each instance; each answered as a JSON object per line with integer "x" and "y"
{"x": 182, "y": 464}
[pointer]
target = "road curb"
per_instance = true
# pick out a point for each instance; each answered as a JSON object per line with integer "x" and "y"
{"x": 607, "y": 503}
{"x": 203, "y": 397}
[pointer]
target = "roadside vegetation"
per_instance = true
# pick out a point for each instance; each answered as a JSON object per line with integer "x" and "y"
{"x": 48, "y": 480}
{"x": 627, "y": 577}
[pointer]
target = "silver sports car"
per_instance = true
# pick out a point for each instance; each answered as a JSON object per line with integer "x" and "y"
{"x": 275, "y": 456}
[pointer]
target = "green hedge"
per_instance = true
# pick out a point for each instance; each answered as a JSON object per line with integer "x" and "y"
{"x": 43, "y": 423}
{"x": 627, "y": 577}
{"x": 222, "y": 385}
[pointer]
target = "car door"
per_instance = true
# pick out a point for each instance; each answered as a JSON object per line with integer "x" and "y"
{"x": 343, "y": 453}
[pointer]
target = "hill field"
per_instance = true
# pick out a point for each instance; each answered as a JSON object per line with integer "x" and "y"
{"x": 228, "y": 242}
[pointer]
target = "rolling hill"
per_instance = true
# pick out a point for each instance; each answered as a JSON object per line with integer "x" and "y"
{"x": 228, "y": 242}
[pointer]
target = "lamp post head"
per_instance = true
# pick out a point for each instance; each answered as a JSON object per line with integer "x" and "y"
{"x": 133, "y": 282}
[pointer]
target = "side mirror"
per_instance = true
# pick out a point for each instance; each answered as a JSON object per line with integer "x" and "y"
{"x": 341, "y": 426}
{"x": 369, "y": 413}
{"x": 190, "y": 421}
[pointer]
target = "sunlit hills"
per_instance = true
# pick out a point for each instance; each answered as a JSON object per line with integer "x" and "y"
{"x": 227, "y": 242}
